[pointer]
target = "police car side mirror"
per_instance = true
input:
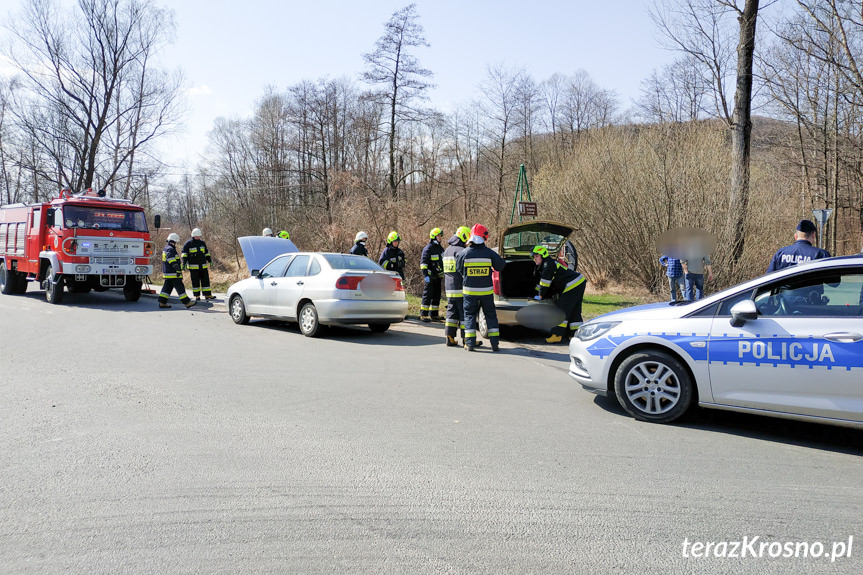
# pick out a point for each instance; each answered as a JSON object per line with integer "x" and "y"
{"x": 743, "y": 311}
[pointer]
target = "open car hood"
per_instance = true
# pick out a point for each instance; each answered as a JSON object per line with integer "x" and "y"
{"x": 518, "y": 240}
{"x": 260, "y": 250}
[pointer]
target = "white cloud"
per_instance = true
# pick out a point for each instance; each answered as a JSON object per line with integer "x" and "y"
{"x": 201, "y": 90}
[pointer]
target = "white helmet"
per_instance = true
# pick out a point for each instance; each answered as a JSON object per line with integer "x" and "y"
{"x": 361, "y": 236}
{"x": 267, "y": 232}
{"x": 173, "y": 238}
{"x": 196, "y": 233}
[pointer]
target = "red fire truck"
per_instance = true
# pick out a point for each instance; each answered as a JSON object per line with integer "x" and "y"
{"x": 78, "y": 241}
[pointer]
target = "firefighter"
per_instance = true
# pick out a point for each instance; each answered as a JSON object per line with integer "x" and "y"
{"x": 172, "y": 271}
{"x": 475, "y": 264}
{"x": 359, "y": 247}
{"x": 568, "y": 285}
{"x": 196, "y": 258}
{"x": 267, "y": 233}
{"x": 392, "y": 258}
{"x": 452, "y": 287}
{"x": 431, "y": 266}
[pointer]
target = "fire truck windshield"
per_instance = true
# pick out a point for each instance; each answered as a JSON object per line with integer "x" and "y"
{"x": 104, "y": 219}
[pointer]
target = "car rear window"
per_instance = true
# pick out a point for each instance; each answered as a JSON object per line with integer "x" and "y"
{"x": 522, "y": 243}
{"x": 348, "y": 262}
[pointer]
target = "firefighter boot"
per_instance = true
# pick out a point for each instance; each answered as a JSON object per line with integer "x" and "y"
{"x": 190, "y": 303}
{"x": 468, "y": 346}
{"x": 451, "y": 342}
{"x": 164, "y": 305}
{"x": 554, "y": 338}
{"x": 425, "y": 319}
{"x": 209, "y": 297}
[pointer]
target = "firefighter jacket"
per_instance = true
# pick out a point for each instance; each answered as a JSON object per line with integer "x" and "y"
{"x": 195, "y": 255}
{"x": 431, "y": 263}
{"x": 171, "y": 262}
{"x": 451, "y": 277}
{"x": 359, "y": 249}
{"x": 555, "y": 279}
{"x": 393, "y": 259}
{"x": 475, "y": 264}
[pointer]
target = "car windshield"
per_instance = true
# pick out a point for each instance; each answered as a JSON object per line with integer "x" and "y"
{"x": 347, "y": 262}
{"x": 104, "y": 219}
{"x": 521, "y": 243}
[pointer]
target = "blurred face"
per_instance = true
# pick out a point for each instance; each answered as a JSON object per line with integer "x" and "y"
{"x": 537, "y": 259}
{"x": 439, "y": 238}
{"x": 396, "y": 243}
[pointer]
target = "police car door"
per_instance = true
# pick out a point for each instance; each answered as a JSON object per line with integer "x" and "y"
{"x": 289, "y": 288}
{"x": 257, "y": 295}
{"x": 804, "y": 352}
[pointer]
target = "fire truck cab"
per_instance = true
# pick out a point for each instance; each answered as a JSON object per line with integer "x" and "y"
{"x": 77, "y": 242}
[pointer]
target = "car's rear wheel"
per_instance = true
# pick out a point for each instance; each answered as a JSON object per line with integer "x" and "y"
{"x": 379, "y": 327}
{"x": 481, "y": 323}
{"x": 309, "y": 324}
{"x": 238, "y": 311}
{"x": 653, "y": 386}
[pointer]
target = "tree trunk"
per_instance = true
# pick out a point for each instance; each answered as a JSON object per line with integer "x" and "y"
{"x": 742, "y": 131}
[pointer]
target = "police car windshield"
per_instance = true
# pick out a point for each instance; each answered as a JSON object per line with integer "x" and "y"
{"x": 104, "y": 219}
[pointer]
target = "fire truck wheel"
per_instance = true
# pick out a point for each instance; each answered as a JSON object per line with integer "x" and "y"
{"x": 53, "y": 291}
{"x": 238, "y": 311}
{"x": 7, "y": 280}
{"x": 132, "y": 291}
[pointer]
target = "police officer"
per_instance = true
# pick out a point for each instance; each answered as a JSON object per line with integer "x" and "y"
{"x": 475, "y": 264}
{"x": 453, "y": 289}
{"x": 173, "y": 273}
{"x": 196, "y": 258}
{"x": 802, "y": 250}
{"x": 359, "y": 247}
{"x": 392, "y": 258}
{"x": 431, "y": 266}
{"x": 568, "y": 285}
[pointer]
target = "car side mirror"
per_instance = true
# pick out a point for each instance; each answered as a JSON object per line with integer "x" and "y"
{"x": 157, "y": 221}
{"x": 743, "y": 311}
{"x": 256, "y": 273}
{"x": 49, "y": 218}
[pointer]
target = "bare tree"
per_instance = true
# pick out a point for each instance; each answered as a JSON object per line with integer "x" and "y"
{"x": 400, "y": 79}
{"x": 94, "y": 95}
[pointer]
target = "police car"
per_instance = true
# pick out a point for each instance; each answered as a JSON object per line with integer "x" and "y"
{"x": 788, "y": 344}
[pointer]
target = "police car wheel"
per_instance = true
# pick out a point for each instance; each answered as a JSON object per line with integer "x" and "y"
{"x": 653, "y": 386}
{"x": 238, "y": 311}
{"x": 309, "y": 324}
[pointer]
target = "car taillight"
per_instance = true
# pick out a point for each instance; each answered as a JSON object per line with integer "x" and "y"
{"x": 349, "y": 282}
{"x": 399, "y": 286}
{"x": 495, "y": 282}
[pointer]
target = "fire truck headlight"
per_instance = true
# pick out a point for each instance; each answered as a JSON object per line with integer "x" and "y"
{"x": 139, "y": 269}
{"x": 82, "y": 269}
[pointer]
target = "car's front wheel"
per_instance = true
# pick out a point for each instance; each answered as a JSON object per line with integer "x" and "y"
{"x": 653, "y": 386}
{"x": 238, "y": 311}
{"x": 309, "y": 324}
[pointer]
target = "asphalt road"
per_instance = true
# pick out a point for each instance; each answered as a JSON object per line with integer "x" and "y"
{"x": 138, "y": 440}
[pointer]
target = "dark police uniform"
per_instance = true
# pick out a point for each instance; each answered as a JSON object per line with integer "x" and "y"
{"x": 475, "y": 264}
{"x": 359, "y": 249}
{"x": 431, "y": 266}
{"x": 452, "y": 287}
{"x": 196, "y": 258}
{"x": 393, "y": 259}
{"x": 173, "y": 274}
{"x": 798, "y": 252}
{"x": 568, "y": 285}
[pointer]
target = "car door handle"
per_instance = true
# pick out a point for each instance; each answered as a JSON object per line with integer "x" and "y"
{"x": 843, "y": 336}
{"x": 274, "y": 283}
{"x": 299, "y": 283}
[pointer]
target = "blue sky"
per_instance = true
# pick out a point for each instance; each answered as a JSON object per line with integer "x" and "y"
{"x": 231, "y": 50}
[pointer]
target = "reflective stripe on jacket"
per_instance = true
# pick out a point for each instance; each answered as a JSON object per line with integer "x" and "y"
{"x": 171, "y": 262}
{"x": 555, "y": 278}
{"x": 451, "y": 278}
{"x": 393, "y": 259}
{"x": 475, "y": 264}
{"x": 431, "y": 263}
{"x": 195, "y": 254}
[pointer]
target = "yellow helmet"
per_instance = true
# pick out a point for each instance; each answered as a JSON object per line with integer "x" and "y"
{"x": 394, "y": 236}
{"x": 541, "y": 250}
{"x": 435, "y": 233}
{"x": 463, "y": 233}
{"x": 284, "y": 235}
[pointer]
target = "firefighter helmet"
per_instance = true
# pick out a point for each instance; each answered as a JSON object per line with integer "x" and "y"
{"x": 361, "y": 236}
{"x": 393, "y": 237}
{"x": 267, "y": 232}
{"x": 463, "y": 233}
{"x": 173, "y": 238}
{"x": 196, "y": 233}
{"x": 284, "y": 235}
{"x": 435, "y": 233}
{"x": 541, "y": 250}
{"x": 478, "y": 233}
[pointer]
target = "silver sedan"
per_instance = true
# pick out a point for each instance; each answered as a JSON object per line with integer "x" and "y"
{"x": 317, "y": 289}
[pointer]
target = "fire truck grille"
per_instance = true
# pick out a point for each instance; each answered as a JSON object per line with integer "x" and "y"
{"x": 112, "y": 261}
